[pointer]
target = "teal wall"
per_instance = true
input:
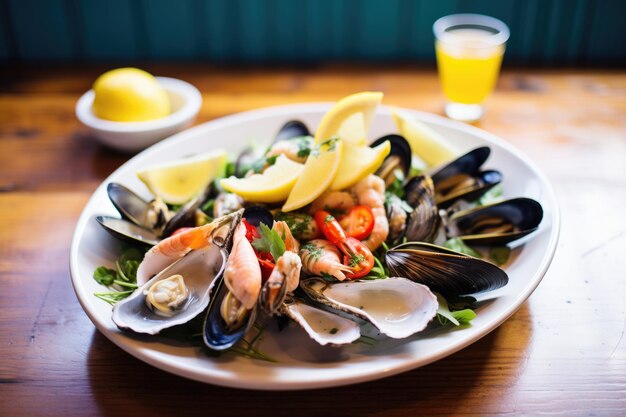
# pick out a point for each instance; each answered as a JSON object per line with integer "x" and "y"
{"x": 560, "y": 32}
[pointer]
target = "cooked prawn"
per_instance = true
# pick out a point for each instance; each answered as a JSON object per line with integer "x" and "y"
{"x": 292, "y": 149}
{"x": 333, "y": 201}
{"x": 370, "y": 191}
{"x": 291, "y": 243}
{"x": 242, "y": 275}
{"x": 320, "y": 257}
{"x": 171, "y": 249}
{"x": 285, "y": 277}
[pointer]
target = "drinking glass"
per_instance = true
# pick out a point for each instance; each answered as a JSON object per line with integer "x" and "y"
{"x": 469, "y": 50}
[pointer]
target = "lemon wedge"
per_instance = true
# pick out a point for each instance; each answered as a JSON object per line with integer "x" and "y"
{"x": 319, "y": 172}
{"x": 129, "y": 95}
{"x": 350, "y": 118}
{"x": 358, "y": 162}
{"x": 176, "y": 182}
{"x": 272, "y": 186}
{"x": 429, "y": 145}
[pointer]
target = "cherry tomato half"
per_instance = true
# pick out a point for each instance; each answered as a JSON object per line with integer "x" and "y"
{"x": 331, "y": 229}
{"x": 360, "y": 260}
{"x": 359, "y": 222}
{"x": 251, "y": 231}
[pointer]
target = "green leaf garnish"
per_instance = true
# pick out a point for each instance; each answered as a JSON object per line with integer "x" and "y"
{"x": 457, "y": 245}
{"x": 104, "y": 275}
{"x": 492, "y": 196}
{"x": 457, "y": 317}
{"x": 270, "y": 241}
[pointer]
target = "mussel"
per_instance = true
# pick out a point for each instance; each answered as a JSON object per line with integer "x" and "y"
{"x": 423, "y": 223}
{"x": 399, "y": 158}
{"x": 290, "y": 130}
{"x": 497, "y": 223}
{"x": 444, "y": 271}
{"x": 463, "y": 179}
{"x": 396, "y": 306}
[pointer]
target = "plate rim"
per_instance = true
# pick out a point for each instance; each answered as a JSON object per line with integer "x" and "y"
{"x": 229, "y": 380}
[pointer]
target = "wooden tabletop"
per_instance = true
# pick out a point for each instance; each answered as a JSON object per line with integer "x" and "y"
{"x": 562, "y": 353}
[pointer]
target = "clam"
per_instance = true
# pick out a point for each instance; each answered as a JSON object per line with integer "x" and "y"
{"x": 399, "y": 158}
{"x": 396, "y": 306}
{"x": 444, "y": 271}
{"x": 322, "y": 326}
{"x": 463, "y": 179}
{"x": 498, "y": 223}
{"x": 147, "y": 311}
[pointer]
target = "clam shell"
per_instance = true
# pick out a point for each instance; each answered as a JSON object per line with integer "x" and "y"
{"x": 322, "y": 326}
{"x": 200, "y": 268}
{"x": 397, "y": 306}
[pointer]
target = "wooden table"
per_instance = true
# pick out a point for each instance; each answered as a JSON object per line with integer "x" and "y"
{"x": 562, "y": 353}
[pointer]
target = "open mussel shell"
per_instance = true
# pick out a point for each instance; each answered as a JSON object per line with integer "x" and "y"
{"x": 423, "y": 223}
{"x": 396, "y": 306}
{"x": 217, "y": 334}
{"x": 322, "y": 326}
{"x": 399, "y": 158}
{"x": 130, "y": 206}
{"x": 290, "y": 130}
{"x": 496, "y": 224}
{"x": 186, "y": 215}
{"x": 127, "y": 231}
{"x": 463, "y": 179}
{"x": 444, "y": 271}
{"x": 200, "y": 269}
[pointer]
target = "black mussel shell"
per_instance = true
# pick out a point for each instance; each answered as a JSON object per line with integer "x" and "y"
{"x": 255, "y": 215}
{"x": 216, "y": 333}
{"x": 469, "y": 163}
{"x": 498, "y": 223}
{"x": 444, "y": 271}
{"x": 292, "y": 129}
{"x": 399, "y": 157}
{"x": 423, "y": 223}
{"x": 186, "y": 215}
{"x": 130, "y": 206}
{"x": 127, "y": 231}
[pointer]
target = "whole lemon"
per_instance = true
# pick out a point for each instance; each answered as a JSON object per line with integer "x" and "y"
{"x": 129, "y": 95}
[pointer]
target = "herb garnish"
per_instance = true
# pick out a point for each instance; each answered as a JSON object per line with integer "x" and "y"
{"x": 269, "y": 241}
{"x": 122, "y": 279}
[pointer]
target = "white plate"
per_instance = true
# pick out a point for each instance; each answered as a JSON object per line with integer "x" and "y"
{"x": 301, "y": 363}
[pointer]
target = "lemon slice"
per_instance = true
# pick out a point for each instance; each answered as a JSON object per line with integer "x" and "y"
{"x": 272, "y": 186}
{"x": 319, "y": 172}
{"x": 129, "y": 95}
{"x": 429, "y": 145}
{"x": 358, "y": 162}
{"x": 350, "y": 118}
{"x": 176, "y": 182}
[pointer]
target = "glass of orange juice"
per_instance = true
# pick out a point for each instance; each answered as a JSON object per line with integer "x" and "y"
{"x": 469, "y": 50}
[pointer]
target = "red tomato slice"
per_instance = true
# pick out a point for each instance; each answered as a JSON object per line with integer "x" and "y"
{"x": 251, "y": 231}
{"x": 330, "y": 227}
{"x": 359, "y": 222}
{"x": 361, "y": 261}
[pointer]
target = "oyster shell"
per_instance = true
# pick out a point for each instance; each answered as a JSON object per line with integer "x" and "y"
{"x": 397, "y": 306}
{"x": 322, "y": 326}
{"x": 199, "y": 269}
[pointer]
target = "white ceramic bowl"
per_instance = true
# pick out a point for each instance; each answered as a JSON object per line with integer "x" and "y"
{"x": 134, "y": 136}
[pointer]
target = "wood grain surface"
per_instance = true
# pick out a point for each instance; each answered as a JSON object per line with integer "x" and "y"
{"x": 562, "y": 353}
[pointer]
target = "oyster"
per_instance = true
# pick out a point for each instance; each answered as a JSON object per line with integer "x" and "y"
{"x": 397, "y": 306}
{"x": 322, "y": 326}
{"x": 199, "y": 269}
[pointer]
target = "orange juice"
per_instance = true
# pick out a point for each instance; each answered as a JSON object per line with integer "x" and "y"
{"x": 468, "y": 65}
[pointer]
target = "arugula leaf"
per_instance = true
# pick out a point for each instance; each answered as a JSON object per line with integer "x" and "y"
{"x": 270, "y": 241}
{"x": 456, "y": 244}
{"x": 445, "y": 316}
{"x": 500, "y": 255}
{"x": 104, "y": 275}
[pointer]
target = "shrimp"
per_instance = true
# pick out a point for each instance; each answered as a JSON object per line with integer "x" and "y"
{"x": 242, "y": 275}
{"x": 333, "y": 201}
{"x": 291, "y": 244}
{"x": 320, "y": 257}
{"x": 284, "y": 278}
{"x": 169, "y": 250}
{"x": 296, "y": 149}
{"x": 370, "y": 191}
